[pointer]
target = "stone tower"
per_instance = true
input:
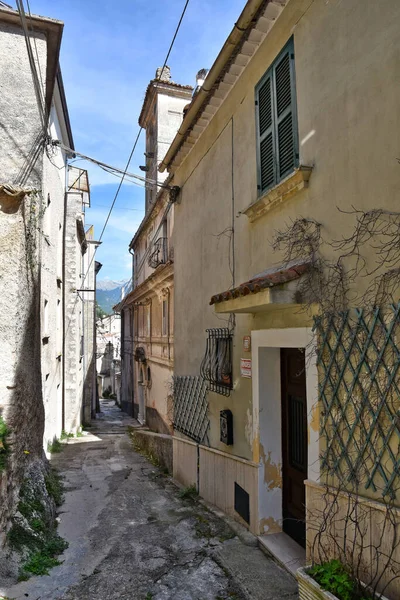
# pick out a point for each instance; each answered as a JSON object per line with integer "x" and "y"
{"x": 161, "y": 117}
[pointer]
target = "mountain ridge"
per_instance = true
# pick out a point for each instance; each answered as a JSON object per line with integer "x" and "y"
{"x": 109, "y": 293}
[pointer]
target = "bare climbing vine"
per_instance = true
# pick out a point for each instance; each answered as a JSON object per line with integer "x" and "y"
{"x": 353, "y": 284}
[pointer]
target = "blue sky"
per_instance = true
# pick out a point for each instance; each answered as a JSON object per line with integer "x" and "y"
{"x": 110, "y": 51}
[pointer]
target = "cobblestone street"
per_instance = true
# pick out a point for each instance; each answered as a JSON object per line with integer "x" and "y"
{"x": 132, "y": 536}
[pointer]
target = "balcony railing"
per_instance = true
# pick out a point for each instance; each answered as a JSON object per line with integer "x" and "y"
{"x": 159, "y": 253}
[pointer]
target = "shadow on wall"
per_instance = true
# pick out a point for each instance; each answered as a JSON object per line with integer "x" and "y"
{"x": 88, "y": 410}
{"x": 27, "y": 169}
{"x": 155, "y": 422}
{"x": 24, "y": 415}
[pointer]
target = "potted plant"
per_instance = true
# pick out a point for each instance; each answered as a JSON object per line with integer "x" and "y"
{"x": 331, "y": 581}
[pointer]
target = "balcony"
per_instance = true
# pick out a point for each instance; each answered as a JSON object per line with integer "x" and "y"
{"x": 159, "y": 253}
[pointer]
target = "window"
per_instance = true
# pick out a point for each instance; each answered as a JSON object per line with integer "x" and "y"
{"x": 147, "y": 320}
{"x": 164, "y": 329}
{"x": 47, "y": 217}
{"x": 46, "y": 317}
{"x": 276, "y": 121}
{"x": 216, "y": 367}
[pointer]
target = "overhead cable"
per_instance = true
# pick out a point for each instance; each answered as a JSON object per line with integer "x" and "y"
{"x": 109, "y": 168}
{"x": 124, "y": 173}
{"x": 36, "y": 83}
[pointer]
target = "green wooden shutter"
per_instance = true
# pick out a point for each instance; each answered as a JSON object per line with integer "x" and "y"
{"x": 277, "y": 139}
{"x": 266, "y": 149}
{"x": 285, "y": 113}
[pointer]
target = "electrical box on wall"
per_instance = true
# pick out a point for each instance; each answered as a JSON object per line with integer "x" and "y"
{"x": 226, "y": 427}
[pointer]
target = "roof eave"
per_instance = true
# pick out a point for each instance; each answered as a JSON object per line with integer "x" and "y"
{"x": 152, "y": 89}
{"x": 248, "y": 20}
{"x": 53, "y": 30}
{"x": 65, "y": 108}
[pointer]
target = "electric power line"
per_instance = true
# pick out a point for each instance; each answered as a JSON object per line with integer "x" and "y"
{"x": 137, "y": 137}
{"x": 36, "y": 83}
{"x": 112, "y": 170}
{"x": 124, "y": 173}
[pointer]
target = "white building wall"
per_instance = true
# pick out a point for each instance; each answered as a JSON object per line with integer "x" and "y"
{"x": 53, "y": 198}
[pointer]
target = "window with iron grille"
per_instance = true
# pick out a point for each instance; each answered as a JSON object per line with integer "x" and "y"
{"x": 216, "y": 367}
{"x": 276, "y": 121}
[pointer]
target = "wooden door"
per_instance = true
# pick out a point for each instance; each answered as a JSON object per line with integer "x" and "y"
{"x": 294, "y": 441}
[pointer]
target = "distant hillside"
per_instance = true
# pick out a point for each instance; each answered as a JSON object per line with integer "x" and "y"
{"x": 109, "y": 293}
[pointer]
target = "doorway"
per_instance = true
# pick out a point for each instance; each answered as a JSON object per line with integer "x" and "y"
{"x": 294, "y": 442}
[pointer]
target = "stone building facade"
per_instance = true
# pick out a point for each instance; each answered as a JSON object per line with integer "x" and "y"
{"x": 40, "y": 240}
{"x": 290, "y": 128}
{"x": 147, "y": 312}
{"x": 108, "y": 355}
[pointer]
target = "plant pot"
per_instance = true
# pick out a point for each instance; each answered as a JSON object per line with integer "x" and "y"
{"x": 309, "y": 589}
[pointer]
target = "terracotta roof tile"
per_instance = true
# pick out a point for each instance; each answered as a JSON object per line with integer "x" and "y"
{"x": 267, "y": 279}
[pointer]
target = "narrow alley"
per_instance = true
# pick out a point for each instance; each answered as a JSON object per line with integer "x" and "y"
{"x": 133, "y": 535}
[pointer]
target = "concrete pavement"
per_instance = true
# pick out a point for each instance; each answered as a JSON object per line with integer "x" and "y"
{"x": 132, "y": 536}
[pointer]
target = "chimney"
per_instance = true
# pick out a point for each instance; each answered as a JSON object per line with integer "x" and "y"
{"x": 166, "y": 73}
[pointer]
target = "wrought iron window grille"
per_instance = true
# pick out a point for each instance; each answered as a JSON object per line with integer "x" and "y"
{"x": 159, "y": 253}
{"x": 216, "y": 367}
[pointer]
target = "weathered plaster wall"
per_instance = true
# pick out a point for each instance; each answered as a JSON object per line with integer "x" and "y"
{"x": 88, "y": 325}
{"x": 20, "y": 124}
{"x": 150, "y": 234}
{"x": 163, "y": 121}
{"x": 346, "y": 133}
{"x": 53, "y": 190}
{"x": 73, "y": 314}
{"x": 158, "y": 346}
{"x": 21, "y": 401}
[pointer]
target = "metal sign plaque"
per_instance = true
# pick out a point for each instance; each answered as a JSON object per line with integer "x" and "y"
{"x": 245, "y": 367}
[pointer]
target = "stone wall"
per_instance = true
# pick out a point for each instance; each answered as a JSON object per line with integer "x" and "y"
{"x": 89, "y": 344}
{"x": 73, "y": 269}
{"x": 53, "y": 197}
{"x": 21, "y": 399}
{"x": 157, "y": 446}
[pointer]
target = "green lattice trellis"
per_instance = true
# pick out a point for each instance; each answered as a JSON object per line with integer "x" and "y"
{"x": 191, "y": 408}
{"x": 358, "y": 358}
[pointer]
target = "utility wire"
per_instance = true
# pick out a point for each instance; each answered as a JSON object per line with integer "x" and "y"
{"x": 137, "y": 137}
{"x": 119, "y": 207}
{"x": 37, "y": 54}
{"x": 36, "y": 83}
{"x": 140, "y": 131}
{"x": 125, "y": 172}
{"x": 109, "y": 168}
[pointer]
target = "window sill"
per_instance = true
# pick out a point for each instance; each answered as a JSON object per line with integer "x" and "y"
{"x": 289, "y": 187}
